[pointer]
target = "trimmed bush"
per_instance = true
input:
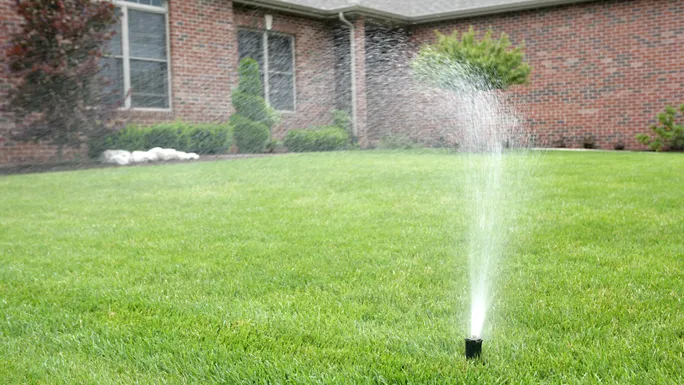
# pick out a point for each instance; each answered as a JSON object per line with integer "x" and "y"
{"x": 209, "y": 138}
{"x": 201, "y": 138}
{"x": 326, "y": 138}
{"x": 253, "y": 118}
{"x": 251, "y": 136}
{"x": 342, "y": 120}
{"x": 165, "y": 135}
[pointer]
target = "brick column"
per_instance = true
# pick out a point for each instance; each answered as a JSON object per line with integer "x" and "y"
{"x": 360, "y": 75}
{"x": 203, "y": 59}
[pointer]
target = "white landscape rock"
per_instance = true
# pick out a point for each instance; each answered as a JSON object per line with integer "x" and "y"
{"x": 168, "y": 154}
{"x": 157, "y": 151}
{"x": 143, "y": 156}
{"x": 123, "y": 158}
{"x": 120, "y": 157}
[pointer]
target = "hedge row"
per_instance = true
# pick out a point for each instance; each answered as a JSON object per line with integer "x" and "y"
{"x": 326, "y": 138}
{"x": 201, "y": 138}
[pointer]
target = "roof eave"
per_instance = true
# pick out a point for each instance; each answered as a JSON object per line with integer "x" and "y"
{"x": 483, "y": 11}
{"x": 284, "y": 6}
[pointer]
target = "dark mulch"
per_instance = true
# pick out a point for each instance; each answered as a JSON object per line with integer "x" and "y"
{"x": 93, "y": 164}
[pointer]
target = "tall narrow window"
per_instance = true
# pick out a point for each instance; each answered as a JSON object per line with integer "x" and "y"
{"x": 137, "y": 62}
{"x": 275, "y": 54}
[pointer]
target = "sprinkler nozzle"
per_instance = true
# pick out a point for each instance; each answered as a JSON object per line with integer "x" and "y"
{"x": 473, "y": 347}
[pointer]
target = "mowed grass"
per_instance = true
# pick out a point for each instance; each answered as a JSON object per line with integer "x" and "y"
{"x": 339, "y": 268}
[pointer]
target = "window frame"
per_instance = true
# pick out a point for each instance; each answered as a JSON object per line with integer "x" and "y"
{"x": 124, "y": 6}
{"x": 264, "y": 44}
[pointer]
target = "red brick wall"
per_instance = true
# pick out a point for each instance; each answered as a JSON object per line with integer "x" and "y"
{"x": 314, "y": 65}
{"x": 203, "y": 60}
{"x": 602, "y": 68}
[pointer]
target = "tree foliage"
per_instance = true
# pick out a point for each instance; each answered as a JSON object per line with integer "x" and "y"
{"x": 669, "y": 134}
{"x": 54, "y": 64}
{"x": 253, "y": 118}
{"x": 454, "y": 62}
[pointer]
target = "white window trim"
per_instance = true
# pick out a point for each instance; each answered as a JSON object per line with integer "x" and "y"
{"x": 126, "y": 58}
{"x": 264, "y": 44}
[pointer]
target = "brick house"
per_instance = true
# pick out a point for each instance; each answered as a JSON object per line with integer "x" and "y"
{"x": 599, "y": 68}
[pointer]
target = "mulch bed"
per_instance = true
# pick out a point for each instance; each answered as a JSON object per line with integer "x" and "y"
{"x": 92, "y": 164}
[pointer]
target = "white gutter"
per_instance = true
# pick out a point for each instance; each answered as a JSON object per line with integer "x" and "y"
{"x": 352, "y": 51}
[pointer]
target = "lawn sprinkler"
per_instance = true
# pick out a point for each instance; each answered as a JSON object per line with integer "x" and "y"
{"x": 473, "y": 347}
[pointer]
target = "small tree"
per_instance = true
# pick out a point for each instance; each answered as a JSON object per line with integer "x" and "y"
{"x": 253, "y": 118}
{"x": 669, "y": 135}
{"x": 486, "y": 64}
{"x": 57, "y": 93}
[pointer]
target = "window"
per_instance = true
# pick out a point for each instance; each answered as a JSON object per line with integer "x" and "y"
{"x": 137, "y": 62}
{"x": 275, "y": 54}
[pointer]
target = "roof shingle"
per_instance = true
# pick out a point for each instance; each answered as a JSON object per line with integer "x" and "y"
{"x": 415, "y": 10}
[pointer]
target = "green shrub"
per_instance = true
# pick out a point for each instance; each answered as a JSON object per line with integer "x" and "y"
{"x": 275, "y": 147}
{"x": 331, "y": 138}
{"x": 254, "y": 107}
{"x": 300, "y": 140}
{"x": 326, "y": 138}
{"x": 253, "y": 118}
{"x": 201, "y": 138}
{"x": 250, "y": 136}
{"x": 206, "y": 138}
{"x": 669, "y": 135}
{"x": 130, "y": 138}
{"x": 486, "y": 63}
{"x": 165, "y": 135}
{"x": 342, "y": 120}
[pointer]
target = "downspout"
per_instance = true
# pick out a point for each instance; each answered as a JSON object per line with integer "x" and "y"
{"x": 352, "y": 50}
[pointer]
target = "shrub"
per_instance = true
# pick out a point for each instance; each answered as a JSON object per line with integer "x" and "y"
{"x": 275, "y": 147}
{"x": 331, "y": 138}
{"x": 326, "y": 138}
{"x": 253, "y": 118}
{"x": 165, "y": 135}
{"x": 453, "y": 62}
{"x": 207, "y": 138}
{"x": 201, "y": 138}
{"x": 250, "y": 136}
{"x": 342, "y": 120}
{"x": 669, "y": 135}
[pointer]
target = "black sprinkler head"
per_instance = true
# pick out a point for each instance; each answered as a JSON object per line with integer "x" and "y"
{"x": 473, "y": 347}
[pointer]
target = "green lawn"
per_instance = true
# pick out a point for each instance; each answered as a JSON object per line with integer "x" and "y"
{"x": 341, "y": 268}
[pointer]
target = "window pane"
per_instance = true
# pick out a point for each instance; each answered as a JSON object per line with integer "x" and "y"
{"x": 158, "y": 3}
{"x": 112, "y": 73}
{"x": 250, "y": 44}
{"x": 280, "y": 53}
{"x": 281, "y": 92}
{"x": 149, "y": 88}
{"x": 147, "y": 35}
{"x": 114, "y": 45}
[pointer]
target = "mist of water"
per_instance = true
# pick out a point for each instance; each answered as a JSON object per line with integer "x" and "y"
{"x": 496, "y": 149}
